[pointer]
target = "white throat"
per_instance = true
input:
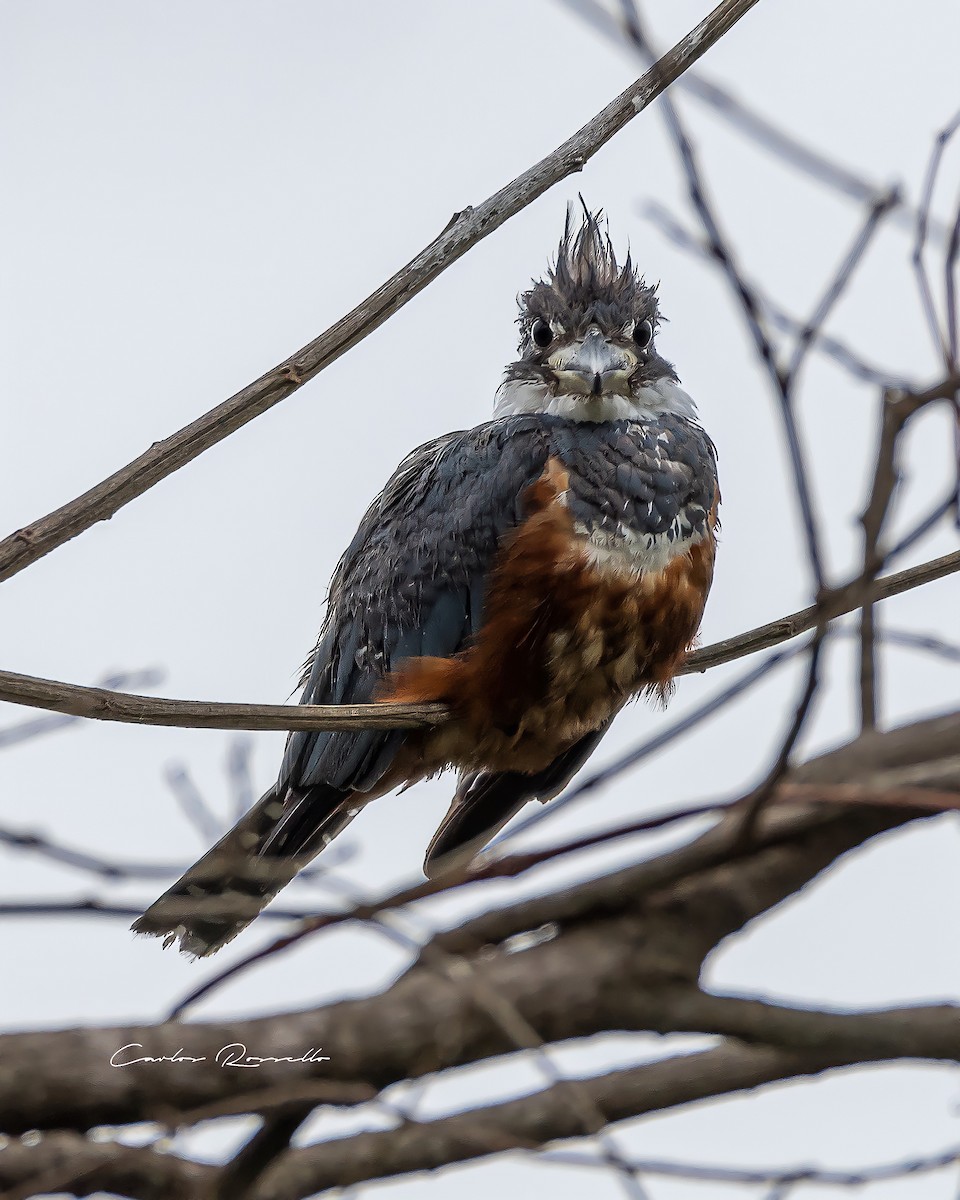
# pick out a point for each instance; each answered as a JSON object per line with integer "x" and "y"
{"x": 516, "y": 396}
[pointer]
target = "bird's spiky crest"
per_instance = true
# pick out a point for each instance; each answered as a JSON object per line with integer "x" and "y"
{"x": 586, "y": 281}
{"x": 586, "y": 257}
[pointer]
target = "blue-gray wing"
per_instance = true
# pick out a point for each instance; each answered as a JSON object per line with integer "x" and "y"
{"x": 412, "y": 583}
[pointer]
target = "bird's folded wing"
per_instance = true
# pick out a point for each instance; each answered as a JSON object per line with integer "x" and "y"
{"x": 412, "y": 583}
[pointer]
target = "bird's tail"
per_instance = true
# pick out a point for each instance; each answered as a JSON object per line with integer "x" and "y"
{"x": 222, "y": 893}
{"x": 486, "y": 801}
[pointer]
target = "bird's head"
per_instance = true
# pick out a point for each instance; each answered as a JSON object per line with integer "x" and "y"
{"x": 588, "y": 339}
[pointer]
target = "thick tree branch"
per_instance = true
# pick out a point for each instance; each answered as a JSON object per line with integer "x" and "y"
{"x": 927, "y": 1031}
{"x": 524, "y": 1123}
{"x": 545, "y": 1116}
{"x": 531, "y": 1121}
{"x": 466, "y": 229}
{"x": 625, "y": 953}
{"x": 87, "y": 1167}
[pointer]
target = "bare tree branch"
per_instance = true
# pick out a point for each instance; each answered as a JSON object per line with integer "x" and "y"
{"x": 524, "y": 1123}
{"x": 921, "y": 754}
{"x": 928, "y": 303}
{"x": 68, "y": 856}
{"x": 839, "y": 603}
{"x": 860, "y": 1177}
{"x": 102, "y": 705}
{"x": 71, "y": 1163}
{"x": 781, "y": 763}
{"x": 191, "y": 802}
{"x": 897, "y": 410}
{"x": 532, "y": 1121}
{"x": 25, "y": 731}
{"x": 621, "y": 952}
{"x": 76, "y": 1166}
{"x": 240, "y": 774}
{"x": 93, "y": 907}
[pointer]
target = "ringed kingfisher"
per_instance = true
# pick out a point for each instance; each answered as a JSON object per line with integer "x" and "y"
{"x": 533, "y": 574}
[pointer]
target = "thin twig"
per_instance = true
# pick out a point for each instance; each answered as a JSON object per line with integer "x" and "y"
{"x": 869, "y": 700}
{"x": 825, "y": 343}
{"x": 922, "y": 230}
{"x": 108, "y": 869}
{"x": 191, "y": 802}
{"x": 809, "y": 160}
{"x": 922, "y": 527}
{"x": 778, "y": 1176}
{"x": 885, "y": 479}
{"x": 950, "y": 263}
{"x": 896, "y": 411}
{"x": 755, "y": 803}
{"x": 950, "y": 259}
{"x": 240, "y": 773}
{"x": 811, "y": 330}
{"x": 721, "y": 251}
{"x": 913, "y": 641}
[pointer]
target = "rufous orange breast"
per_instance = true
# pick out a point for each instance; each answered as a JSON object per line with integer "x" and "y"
{"x": 567, "y": 638}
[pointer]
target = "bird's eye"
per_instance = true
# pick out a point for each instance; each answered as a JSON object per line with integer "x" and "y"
{"x": 541, "y": 333}
{"x": 643, "y": 334}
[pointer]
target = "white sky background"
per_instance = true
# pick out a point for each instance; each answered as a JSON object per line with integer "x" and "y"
{"x": 194, "y": 191}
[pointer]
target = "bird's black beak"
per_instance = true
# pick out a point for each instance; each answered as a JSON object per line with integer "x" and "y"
{"x": 593, "y": 366}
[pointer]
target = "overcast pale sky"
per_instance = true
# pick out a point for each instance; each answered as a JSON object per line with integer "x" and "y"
{"x": 194, "y": 191}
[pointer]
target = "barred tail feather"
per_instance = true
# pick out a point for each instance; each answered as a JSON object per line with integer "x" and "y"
{"x": 226, "y": 889}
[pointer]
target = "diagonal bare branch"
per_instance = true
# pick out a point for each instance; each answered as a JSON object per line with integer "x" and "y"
{"x": 464, "y": 231}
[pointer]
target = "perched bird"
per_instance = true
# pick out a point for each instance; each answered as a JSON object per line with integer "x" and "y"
{"x": 533, "y": 574}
